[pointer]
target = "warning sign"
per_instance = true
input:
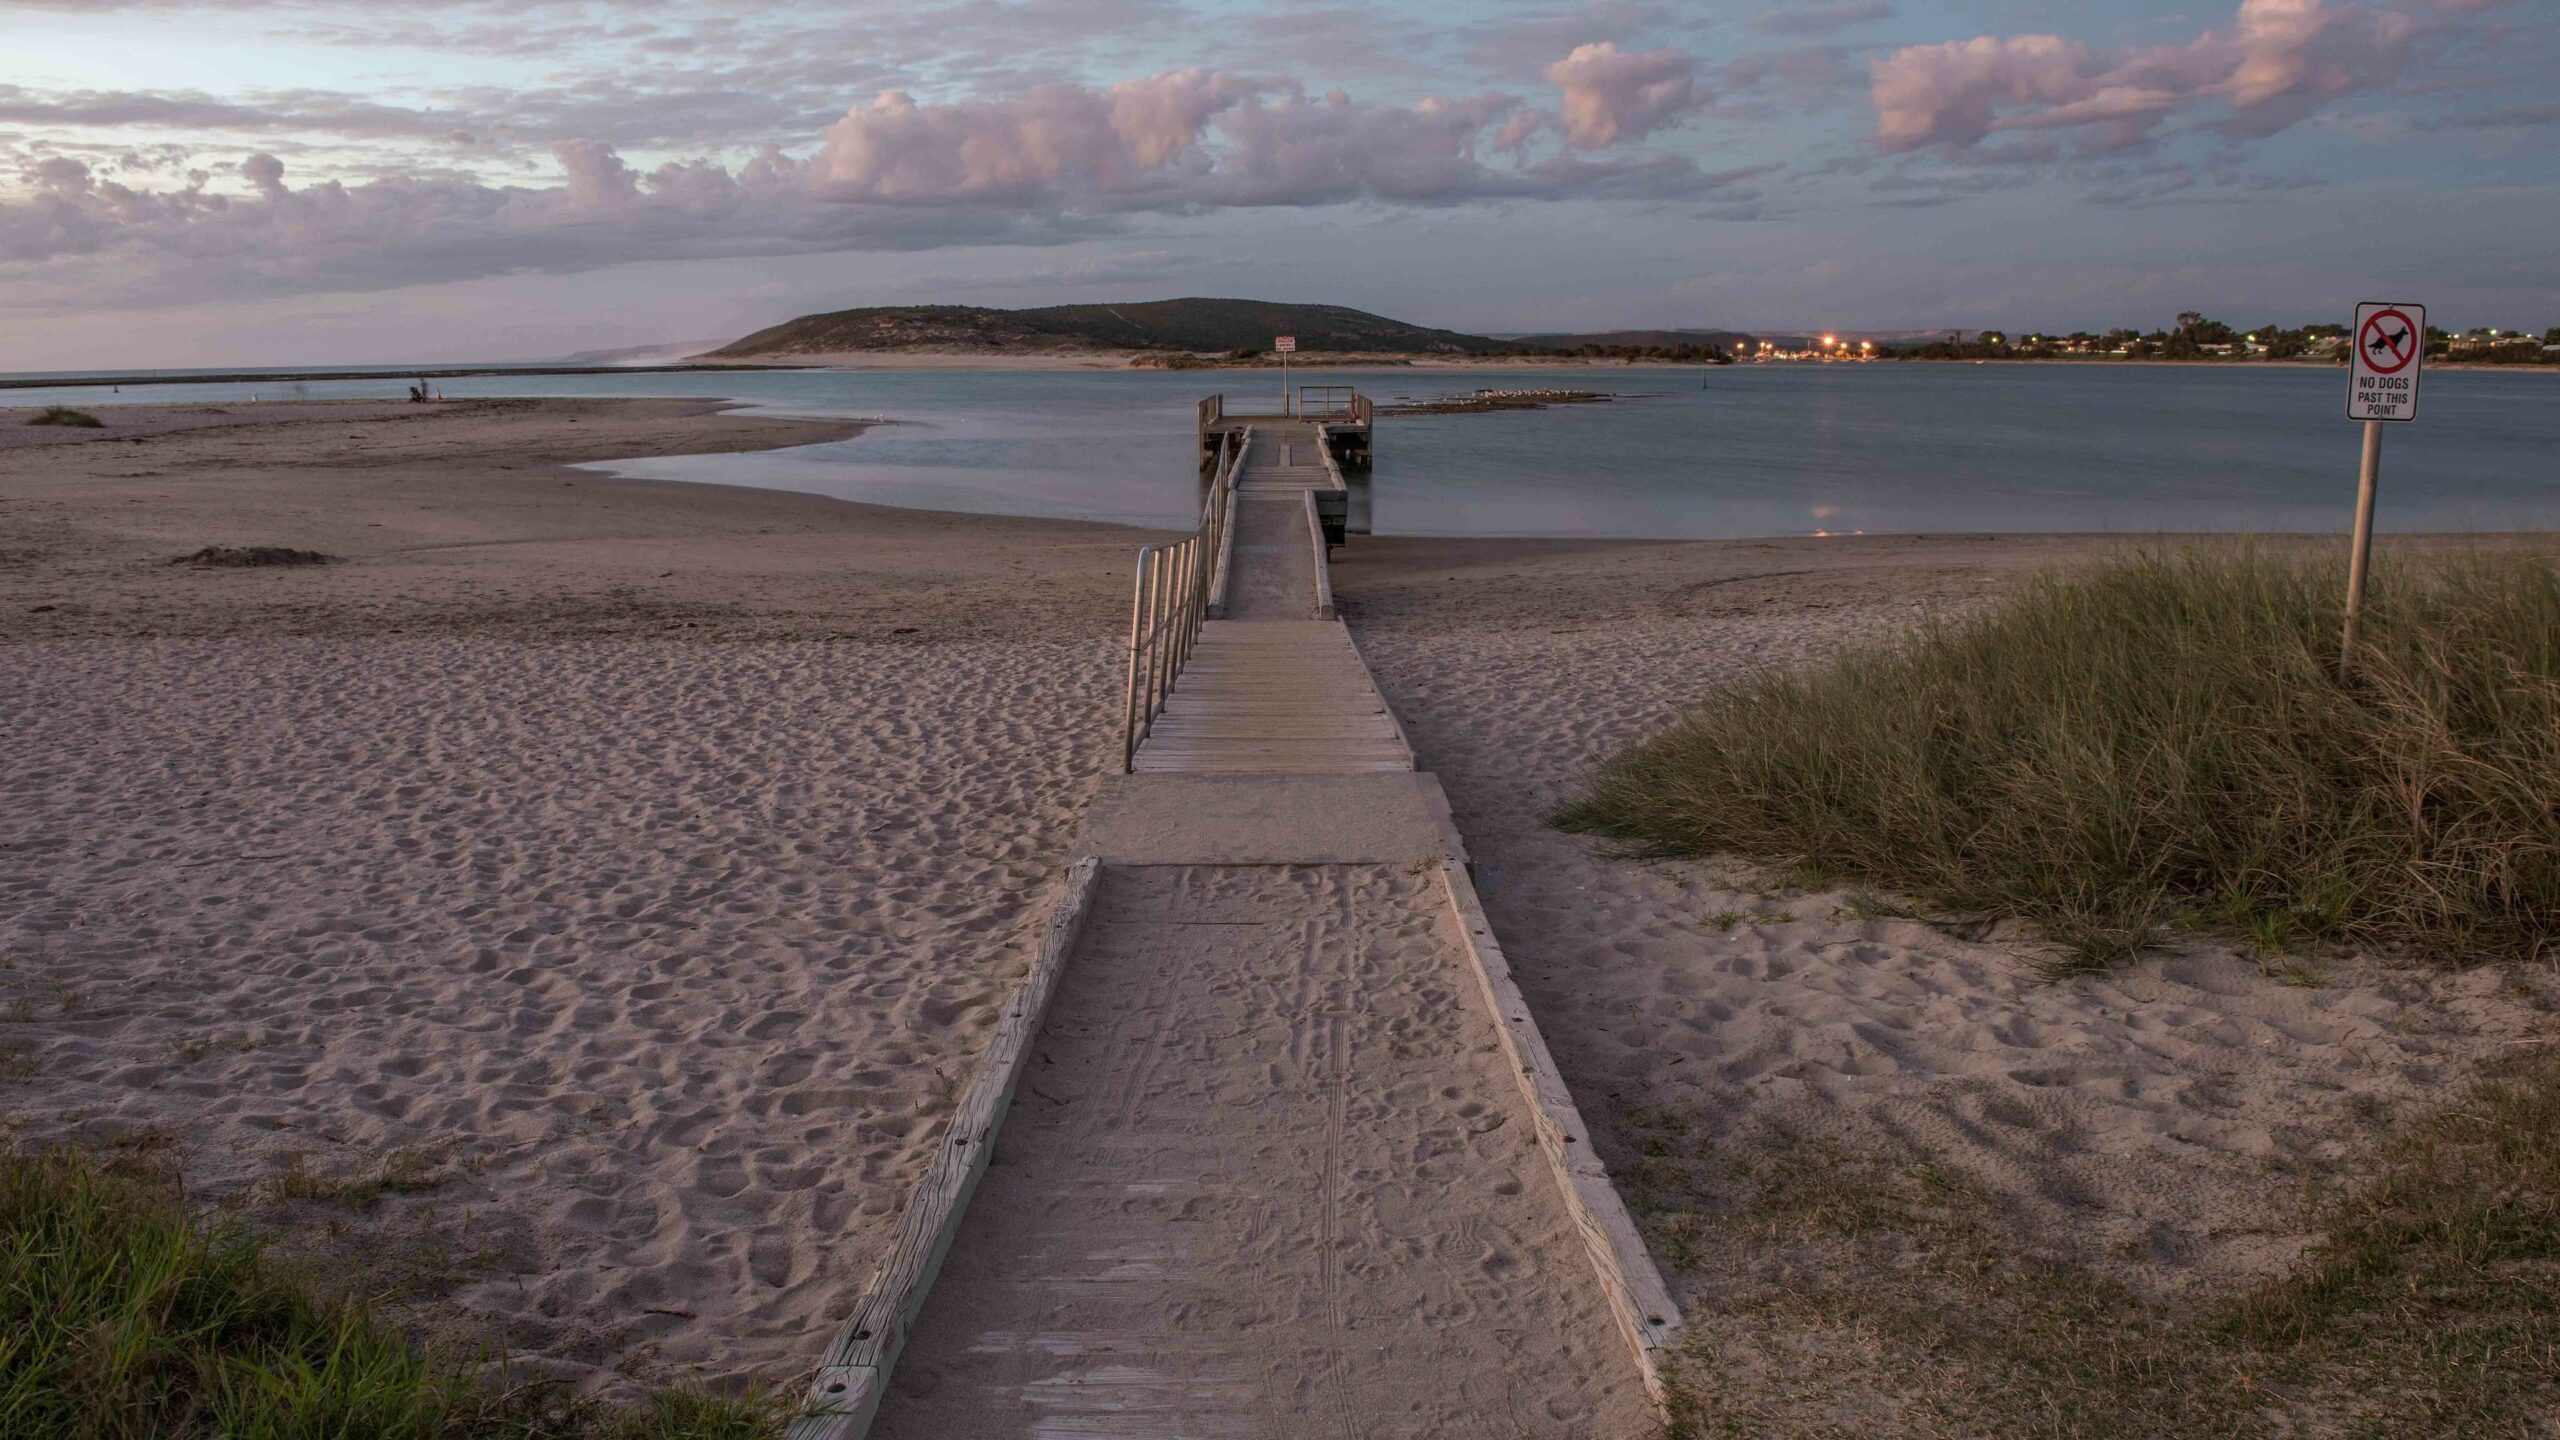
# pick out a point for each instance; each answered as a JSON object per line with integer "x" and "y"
{"x": 2388, "y": 348}
{"x": 1286, "y": 344}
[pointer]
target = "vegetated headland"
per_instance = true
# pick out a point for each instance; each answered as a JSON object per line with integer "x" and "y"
{"x": 1210, "y": 334}
{"x": 1194, "y": 334}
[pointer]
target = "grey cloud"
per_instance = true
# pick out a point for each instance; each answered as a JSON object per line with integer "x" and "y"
{"x": 2512, "y": 117}
{"x": 1058, "y": 163}
{"x": 1611, "y": 95}
{"x": 1821, "y": 18}
{"x": 2277, "y": 62}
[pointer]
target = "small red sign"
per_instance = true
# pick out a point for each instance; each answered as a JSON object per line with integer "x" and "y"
{"x": 2388, "y": 342}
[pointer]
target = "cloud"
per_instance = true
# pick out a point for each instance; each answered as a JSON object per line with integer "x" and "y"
{"x": 1132, "y": 135}
{"x": 2279, "y": 61}
{"x": 1610, "y": 95}
{"x": 1821, "y": 18}
{"x": 1055, "y": 163}
{"x": 2512, "y": 117}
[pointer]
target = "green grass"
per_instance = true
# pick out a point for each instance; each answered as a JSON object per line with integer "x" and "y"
{"x": 2437, "y": 1285}
{"x": 2162, "y": 738}
{"x": 124, "y": 1316}
{"x": 1865, "y": 1284}
{"x": 64, "y": 415}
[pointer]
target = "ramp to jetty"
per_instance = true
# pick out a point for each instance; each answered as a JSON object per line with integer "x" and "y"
{"x": 1268, "y": 1144}
{"x": 1277, "y": 686}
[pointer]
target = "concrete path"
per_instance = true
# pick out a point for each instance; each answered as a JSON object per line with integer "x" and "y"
{"x": 1266, "y": 1178}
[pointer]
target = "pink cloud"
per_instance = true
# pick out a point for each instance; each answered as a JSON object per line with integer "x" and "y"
{"x": 1117, "y": 139}
{"x": 2278, "y": 61}
{"x": 1055, "y": 163}
{"x": 1610, "y": 95}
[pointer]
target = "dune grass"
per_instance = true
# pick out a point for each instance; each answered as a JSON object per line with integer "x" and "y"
{"x": 65, "y": 415}
{"x": 123, "y": 1316}
{"x": 2428, "y": 1303}
{"x": 2162, "y": 738}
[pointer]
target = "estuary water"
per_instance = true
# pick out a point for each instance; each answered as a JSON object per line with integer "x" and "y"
{"x": 1726, "y": 452}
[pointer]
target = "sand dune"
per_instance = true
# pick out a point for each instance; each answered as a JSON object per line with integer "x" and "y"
{"x": 2163, "y": 1122}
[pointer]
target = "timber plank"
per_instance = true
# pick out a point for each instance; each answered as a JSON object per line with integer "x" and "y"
{"x": 846, "y": 1394}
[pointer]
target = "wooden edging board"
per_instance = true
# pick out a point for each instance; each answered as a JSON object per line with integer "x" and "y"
{"x": 1646, "y": 1314}
{"x": 1412, "y": 761}
{"x": 854, "y": 1374}
{"x": 1324, "y": 564}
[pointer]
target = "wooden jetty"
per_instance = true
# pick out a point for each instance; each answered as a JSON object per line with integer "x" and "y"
{"x": 1269, "y": 982}
{"x": 1274, "y": 684}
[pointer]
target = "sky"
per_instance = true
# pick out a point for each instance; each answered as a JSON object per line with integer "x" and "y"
{"x": 281, "y": 182}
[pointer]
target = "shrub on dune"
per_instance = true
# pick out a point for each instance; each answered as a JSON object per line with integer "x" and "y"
{"x": 2166, "y": 735}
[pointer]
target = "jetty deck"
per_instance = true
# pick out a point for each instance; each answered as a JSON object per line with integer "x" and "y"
{"x": 1267, "y": 1145}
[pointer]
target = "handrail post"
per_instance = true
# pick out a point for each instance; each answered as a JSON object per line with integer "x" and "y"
{"x": 1182, "y": 593}
{"x": 1155, "y": 644}
{"x": 1129, "y": 716}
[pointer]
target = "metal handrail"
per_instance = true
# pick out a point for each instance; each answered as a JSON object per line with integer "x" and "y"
{"x": 1327, "y": 401}
{"x": 1171, "y": 602}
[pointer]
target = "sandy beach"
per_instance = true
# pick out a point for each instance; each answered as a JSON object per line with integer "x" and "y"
{"x": 1828, "y": 1089}
{"x": 629, "y": 868}
{"x": 624, "y": 875}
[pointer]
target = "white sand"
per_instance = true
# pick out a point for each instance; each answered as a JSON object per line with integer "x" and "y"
{"x": 647, "y": 858}
{"x": 664, "y": 954}
{"x": 675, "y": 952}
{"x": 2163, "y": 1121}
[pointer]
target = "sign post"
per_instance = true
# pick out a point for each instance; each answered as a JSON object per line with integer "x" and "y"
{"x": 2386, "y": 350}
{"x": 1287, "y": 345}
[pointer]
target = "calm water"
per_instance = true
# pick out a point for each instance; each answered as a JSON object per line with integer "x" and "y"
{"x": 1753, "y": 450}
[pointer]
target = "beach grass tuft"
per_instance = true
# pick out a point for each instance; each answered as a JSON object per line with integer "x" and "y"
{"x": 65, "y": 415}
{"x": 251, "y": 557}
{"x": 123, "y": 1315}
{"x": 2166, "y": 738}
{"x": 2428, "y": 1302}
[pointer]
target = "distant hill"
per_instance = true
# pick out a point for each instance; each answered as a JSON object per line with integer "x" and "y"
{"x": 1169, "y": 325}
{"x": 661, "y": 354}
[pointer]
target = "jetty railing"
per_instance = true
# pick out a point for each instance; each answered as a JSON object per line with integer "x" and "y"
{"x": 1327, "y": 402}
{"x": 1177, "y": 587}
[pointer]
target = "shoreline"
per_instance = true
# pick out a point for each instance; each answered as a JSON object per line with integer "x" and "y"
{"x": 97, "y": 380}
{"x": 635, "y": 865}
{"x": 1117, "y": 360}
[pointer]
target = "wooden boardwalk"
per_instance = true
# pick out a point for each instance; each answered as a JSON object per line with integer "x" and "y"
{"x": 1256, "y": 1188}
{"x": 1273, "y": 1168}
{"x": 1275, "y": 696}
{"x": 1272, "y": 689}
